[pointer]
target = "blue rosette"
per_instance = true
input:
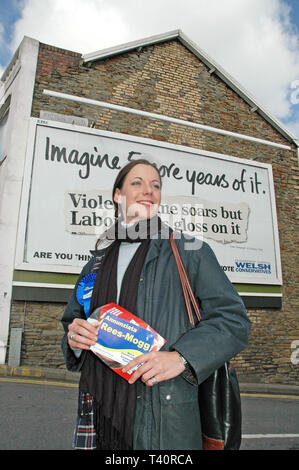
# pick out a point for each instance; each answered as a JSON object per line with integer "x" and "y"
{"x": 84, "y": 292}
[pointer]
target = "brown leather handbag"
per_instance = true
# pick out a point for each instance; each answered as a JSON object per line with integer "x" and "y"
{"x": 219, "y": 395}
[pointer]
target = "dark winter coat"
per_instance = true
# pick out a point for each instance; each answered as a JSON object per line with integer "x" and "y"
{"x": 167, "y": 415}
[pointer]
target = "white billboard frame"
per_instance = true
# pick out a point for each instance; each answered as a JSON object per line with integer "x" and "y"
{"x": 27, "y": 182}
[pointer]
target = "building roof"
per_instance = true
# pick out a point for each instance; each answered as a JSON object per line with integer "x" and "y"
{"x": 208, "y": 61}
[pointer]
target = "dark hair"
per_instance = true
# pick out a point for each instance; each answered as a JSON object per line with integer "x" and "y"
{"x": 119, "y": 181}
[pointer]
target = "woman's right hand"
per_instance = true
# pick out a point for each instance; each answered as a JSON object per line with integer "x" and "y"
{"x": 82, "y": 334}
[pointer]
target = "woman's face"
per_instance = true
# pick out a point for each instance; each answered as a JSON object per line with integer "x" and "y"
{"x": 140, "y": 194}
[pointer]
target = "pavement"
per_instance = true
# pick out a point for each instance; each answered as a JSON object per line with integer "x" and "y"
{"x": 67, "y": 377}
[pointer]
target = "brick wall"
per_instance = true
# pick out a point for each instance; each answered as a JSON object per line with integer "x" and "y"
{"x": 169, "y": 79}
{"x": 42, "y": 332}
{"x": 52, "y": 59}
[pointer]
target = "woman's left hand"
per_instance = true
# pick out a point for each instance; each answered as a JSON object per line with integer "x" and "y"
{"x": 161, "y": 365}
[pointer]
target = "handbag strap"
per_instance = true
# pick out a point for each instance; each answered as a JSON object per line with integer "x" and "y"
{"x": 186, "y": 287}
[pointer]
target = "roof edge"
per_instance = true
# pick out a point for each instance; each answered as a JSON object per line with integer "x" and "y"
{"x": 238, "y": 88}
{"x": 129, "y": 46}
{"x": 209, "y": 62}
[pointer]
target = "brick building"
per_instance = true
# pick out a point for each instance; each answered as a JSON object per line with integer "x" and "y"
{"x": 166, "y": 75}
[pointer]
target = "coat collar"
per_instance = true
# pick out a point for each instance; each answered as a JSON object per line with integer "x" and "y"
{"x": 154, "y": 248}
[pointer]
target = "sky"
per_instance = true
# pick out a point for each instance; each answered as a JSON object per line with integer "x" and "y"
{"x": 255, "y": 41}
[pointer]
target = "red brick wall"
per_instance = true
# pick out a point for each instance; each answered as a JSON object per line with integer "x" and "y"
{"x": 52, "y": 59}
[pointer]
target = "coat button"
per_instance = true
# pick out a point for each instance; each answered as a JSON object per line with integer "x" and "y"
{"x": 168, "y": 397}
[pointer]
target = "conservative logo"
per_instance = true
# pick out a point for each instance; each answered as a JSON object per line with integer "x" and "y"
{"x": 245, "y": 266}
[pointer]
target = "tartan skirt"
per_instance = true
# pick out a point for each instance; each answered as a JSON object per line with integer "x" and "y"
{"x": 85, "y": 433}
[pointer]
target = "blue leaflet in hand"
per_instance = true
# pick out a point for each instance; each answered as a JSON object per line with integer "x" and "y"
{"x": 84, "y": 291}
{"x": 120, "y": 341}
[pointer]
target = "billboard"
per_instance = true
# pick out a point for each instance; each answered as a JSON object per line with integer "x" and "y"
{"x": 67, "y": 202}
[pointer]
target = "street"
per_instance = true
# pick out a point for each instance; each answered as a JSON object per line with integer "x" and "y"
{"x": 41, "y": 416}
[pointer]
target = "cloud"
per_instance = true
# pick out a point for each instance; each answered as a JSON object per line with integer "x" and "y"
{"x": 1, "y": 35}
{"x": 78, "y": 25}
{"x": 253, "y": 40}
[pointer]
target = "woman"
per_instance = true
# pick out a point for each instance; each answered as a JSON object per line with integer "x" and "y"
{"x": 135, "y": 267}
